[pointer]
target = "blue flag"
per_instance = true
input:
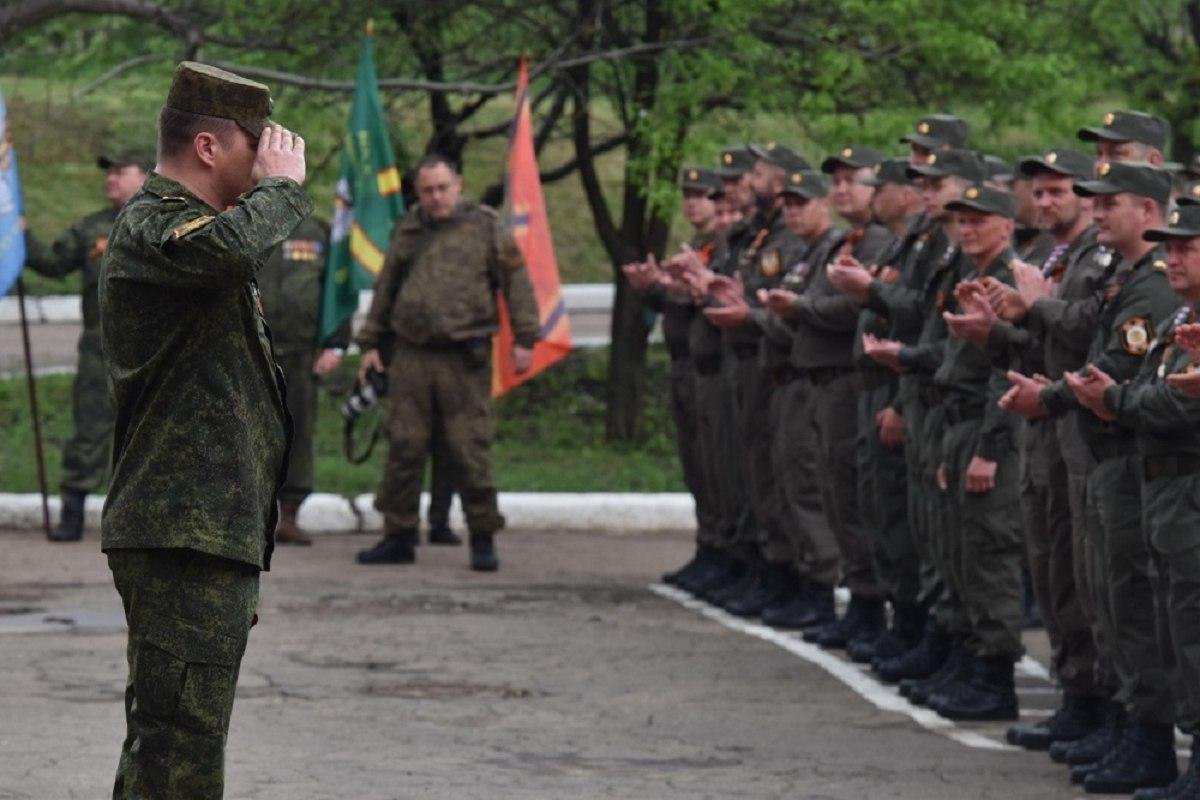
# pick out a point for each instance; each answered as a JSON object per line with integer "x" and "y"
{"x": 12, "y": 234}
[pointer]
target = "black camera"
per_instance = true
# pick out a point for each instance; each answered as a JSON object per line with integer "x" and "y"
{"x": 366, "y": 395}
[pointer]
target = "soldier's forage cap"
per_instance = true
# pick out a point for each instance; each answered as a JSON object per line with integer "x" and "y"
{"x": 961, "y": 163}
{"x": 1136, "y": 177}
{"x": 1059, "y": 161}
{"x": 1129, "y": 126}
{"x": 781, "y": 156}
{"x": 1190, "y": 195}
{"x": 806, "y": 183}
{"x": 985, "y": 200}
{"x": 854, "y": 157}
{"x": 890, "y": 170}
{"x": 1182, "y": 223}
{"x": 201, "y": 89}
{"x": 735, "y": 162}
{"x": 704, "y": 180}
{"x": 127, "y": 157}
{"x": 997, "y": 169}
{"x": 938, "y": 131}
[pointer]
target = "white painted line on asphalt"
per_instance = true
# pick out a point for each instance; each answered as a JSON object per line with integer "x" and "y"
{"x": 877, "y": 694}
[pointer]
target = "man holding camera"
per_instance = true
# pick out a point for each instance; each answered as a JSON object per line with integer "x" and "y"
{"x": 435, "y": 300}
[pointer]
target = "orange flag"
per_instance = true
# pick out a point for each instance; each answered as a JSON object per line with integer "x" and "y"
{"x": 526, "y": 211}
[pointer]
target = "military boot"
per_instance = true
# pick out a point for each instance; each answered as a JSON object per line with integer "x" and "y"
{"x": 1095, "y": 745}
{"x": 287, "y": 531}
{"x": 396, "y": 547}
{"x": 70, "y": 522}
{"x": 720, "y": 595}
{"x": 1185, "y": 787}
{"x": 812, "y": 607}
{"x": 989, "y": 694}
{"x": 864, "y": 618}
{"x": 1074, "y": 719}
{"x": 1146, "y": 760}
{"x": 443, "y": 535}
{"x": 918, "y": 662}
{"x": 673, "y": 577}
{"x": 907, "y": 625}
{"x": 724, "y": 570}
{"x": 794, "y": 590}
{"x": 771, "y": 585}
{"x": 483, "y": 552}
{"x": 918, "y": 691}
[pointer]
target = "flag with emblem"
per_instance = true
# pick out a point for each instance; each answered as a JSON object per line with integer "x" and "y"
{"x": 12, "y": 235}
{"x": 526, "y": 212}
{"x": 367, "y": 200}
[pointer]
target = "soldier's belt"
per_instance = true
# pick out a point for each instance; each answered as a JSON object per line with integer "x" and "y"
{"x": 876, "y": 377}
{"x": 1156, "y": 467}
{"x": 819, "y": 376}
{"x": 963, "y": 412}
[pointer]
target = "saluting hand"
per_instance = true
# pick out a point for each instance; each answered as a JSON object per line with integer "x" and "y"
{"x": 280, "y": 155}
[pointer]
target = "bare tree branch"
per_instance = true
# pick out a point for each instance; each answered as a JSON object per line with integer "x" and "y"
{"x": 22, "y": 14}
{"x": 118, "y": 70}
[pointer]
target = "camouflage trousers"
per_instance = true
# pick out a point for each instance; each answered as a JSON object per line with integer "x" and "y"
{"x": 86, "y": 455}
{"x": 447, "y": 389}
{"x": 302, "y": 388}
{"x": 189, "y": 617}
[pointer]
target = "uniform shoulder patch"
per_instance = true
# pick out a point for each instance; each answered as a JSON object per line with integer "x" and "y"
{"x": 1135, "y": 336}
{"x": 188, "y": 228}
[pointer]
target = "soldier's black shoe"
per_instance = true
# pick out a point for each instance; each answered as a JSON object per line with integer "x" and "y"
{"x": 864, "y": 618}
{"x": 721, "y": 595}
{"x": 697, "y": 560}
{"x": 1074, "y": 719}
{"x": 723, "y": 571}
{"x": 70, "y": 522}
{"x": 772, "y": 584}
{"x": 483, "y": 552}
{"x": 918, "y": 690}
{"x": 1092, "y": 747}
{"x": 794, "y": 589}
{"x": 1144, "y": 759}
{"x": 920, "y": 661}
{"x": 989, "y": 694}
{"x": 908, "y": 624}
{"x": 393, "y": 548}
{"x": 812, "y": 607}
{"x": 444, "y": 536}
{"x": 1185, "y": 787}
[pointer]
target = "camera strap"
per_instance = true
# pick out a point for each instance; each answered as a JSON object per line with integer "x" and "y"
{"x": 348, "y": 442}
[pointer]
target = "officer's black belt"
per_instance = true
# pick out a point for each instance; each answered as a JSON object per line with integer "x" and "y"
{"x": 744, "y": 350}
{"x": 707, "y": 365}
{"x": 1155, "y": 467}
{"x": 819, "y": 376}
{"x": 876, "y": 377}
{"x": 962, "y": 412}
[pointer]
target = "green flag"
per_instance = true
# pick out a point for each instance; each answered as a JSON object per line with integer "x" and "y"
{"x": 367, "y": 200}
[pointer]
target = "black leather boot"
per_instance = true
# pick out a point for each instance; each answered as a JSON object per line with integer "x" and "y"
{"x": 813, "y": 607}
{"x": 443, "y": 535}
{"x": 396, "y": 547}
{"x": 70, "y": 522}
{"x": 1146, "y": 759}
{"x": 918, "y": 662}
{"x": 955, "y": 665}
{"x": 721, "y": 595}
{"x": 483, "y": 552}
{"x": 1092, "y": 747}
{"x": 1185, "y": 787}
{"x": 673, "y": 577}
{"x": 864, "y": 618}
{"x": 794, "y": 589}
{"x": 989, "y": 694}
{"x": 771, "y": 584}
{"x": 723, "y": 570}
{"x": 1074, "y": 719}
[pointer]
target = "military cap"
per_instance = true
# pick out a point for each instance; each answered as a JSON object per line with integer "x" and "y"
{"x": 704, "y": 180}
{"x": 201, "y": 89}
{"x": 961, "y": 163}
{"x": 854, "y": 157}
{"x": 985, "y": 200}
{"x": 143, "y": 157}
{"x": 1190, "y": 195}
{"x": 890, "y": 170}
{"x": 1129, "y": 126}
{"x": 997, "y": 169}
{"x": 806, "y": 183}
{"x": 781, "y": 156}
{"x": 1182, "y": 223}
{"x": 1059, "y": 161}
{"x": 735, "y": 162}
{"x": 1134, "y": 177}
{"x": 938, "y": 131}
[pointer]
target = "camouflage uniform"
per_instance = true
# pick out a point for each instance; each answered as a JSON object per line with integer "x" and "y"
{"x": 436, "y": 294}
{"x": 87, "y": 453}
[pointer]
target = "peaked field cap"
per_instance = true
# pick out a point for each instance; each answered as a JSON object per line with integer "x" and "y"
{"x": 203, "y": 89}
{"x": 938, "y": 131}
{"x": 890, "y": 170}
{"x": 1059, "y": 161}
{"x": 854, "y": 157}
{"x": 781, "y": 156}
{"x": 704, "y": 180}
{"x": 1182, "y": 223}
{"x": 1120, "y": 177}
{"x": 143, "y": 157}
{"x": 985, "y": 200}
{"x": 1190, "y": 195}
{"x": 963, "y": 164}
{"x": 735, "y": 162}
{"x": 997, "y": 169}
{"x": 806, "y": 183}
{"x": 1129, "y": 126}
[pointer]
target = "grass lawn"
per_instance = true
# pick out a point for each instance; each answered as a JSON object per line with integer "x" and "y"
{"x": 550, "y": 434}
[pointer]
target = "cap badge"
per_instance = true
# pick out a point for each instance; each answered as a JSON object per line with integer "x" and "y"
{"x": 1196, "y": 190}
{"x": 1174, "y": 218}
{"x": 797, "y": 177}
{"x": 1051, "y": 157}
{"x": 693, "y": 175}
{"x": 1109, "y": 118}
{"x": 879, "y": 167}
{"x": 727, "y": 158}
{"x": 972, "y": 193}
{"x": 847, "y": 152}
{"x": 932, "y": 159}
{"x": 923, "y": 128}
{"x": 1104, "y": 169}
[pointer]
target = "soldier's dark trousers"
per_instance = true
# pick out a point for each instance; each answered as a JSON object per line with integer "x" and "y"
{"x": 1171, "y": 511}
{"x": 454, "y": 382}
{"x": 1125, "y": 588}
{"x": 1049, "y": 545}
{"x": 441, "y": 481}
{"x": 302, "y": 405}
{"x": 87, "y": 453}
{"x": 916, "y": 494}
{"x": 946, "y": 543}
{"x": 189, "y": 617}
{"x": 714, "y": 419}
{"x": 683, "y": 410}
{"x": 883, "y": 498}
{"x": 986, "y": 569}
{"x": 766, "y": 537}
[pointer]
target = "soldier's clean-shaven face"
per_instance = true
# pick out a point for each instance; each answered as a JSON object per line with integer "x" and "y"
{"x": 698, "y": 207}
{"x": 936, "y": 192}
{"x": 1022, "y": 190}
{"x": 727, "y": 213}
{"x": 890, "y": 202}
{"x": 234, "y": 154}
{"x": 439, "y": 189}
{"x": 1058, "y": 208}
{"x": 851, "y": 198}
{"x": 1107, "y": 152}
{"x": 1183, "y": 267}
{"x": 805, "y": 218}
{"x": 122, "y": 183}
{"x": 983, "y": 236}
{"x": 738, "y": 192}
{"x": 1121, "y": 218}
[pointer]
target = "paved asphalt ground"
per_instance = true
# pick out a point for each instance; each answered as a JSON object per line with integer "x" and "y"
{"x": 562, "y": 676}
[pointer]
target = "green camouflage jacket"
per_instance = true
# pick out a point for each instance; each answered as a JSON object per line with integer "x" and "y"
{"x": 79, "y": 248}
{"x": 290, "y": 288}
{"x": 202, "y": 431}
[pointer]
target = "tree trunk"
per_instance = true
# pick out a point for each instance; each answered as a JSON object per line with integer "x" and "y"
{"x": 626, "y": 365}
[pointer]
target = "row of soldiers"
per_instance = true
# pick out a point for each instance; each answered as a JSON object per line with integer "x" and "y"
{"x": 982, "y": 370}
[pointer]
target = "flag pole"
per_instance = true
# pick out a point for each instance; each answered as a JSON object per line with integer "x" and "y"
{"x": 33, "y": 407}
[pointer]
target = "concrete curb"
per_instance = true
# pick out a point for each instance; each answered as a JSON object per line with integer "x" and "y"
{"x": 622, "y": 513}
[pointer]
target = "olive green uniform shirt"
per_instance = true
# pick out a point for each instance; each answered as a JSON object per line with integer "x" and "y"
{"x": 79, "y": 248}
